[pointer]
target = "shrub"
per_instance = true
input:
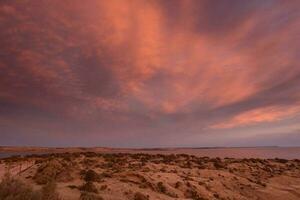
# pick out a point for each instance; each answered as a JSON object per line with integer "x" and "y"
{"x": 13, "y": 189}
{"x": 280, "y": 160}
{"x": 89, "y": 187}
{"x": 140, "y": 196}
{"x": 218, "y": 164}
{"x": 47, "y": 172}
{"x": 49, "y": 191}
{"x": 105, "y": 175}
{"x": 91, "y": 175}
{"x": 193, "y": 194}
{"x": 72, "y": 186}
{"x": 52, "y": 170}
{"x": 161, "y": 188}
{"x": 103, "y": 187}
{"x": 89, "y": 196}
{"x": 178, "y": 184}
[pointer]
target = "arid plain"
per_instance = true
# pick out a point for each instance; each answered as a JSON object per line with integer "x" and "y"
{"x": 111, "y": 174}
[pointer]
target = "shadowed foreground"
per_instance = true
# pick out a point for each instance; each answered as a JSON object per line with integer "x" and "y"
{"x": 89, "y": 175}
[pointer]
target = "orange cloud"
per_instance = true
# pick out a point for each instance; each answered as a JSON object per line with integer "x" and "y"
{"x": 259, "y": 115}
{"x": 146, "y": 65}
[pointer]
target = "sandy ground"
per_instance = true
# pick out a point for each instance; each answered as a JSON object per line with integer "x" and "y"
{"x": 159, "y": 177}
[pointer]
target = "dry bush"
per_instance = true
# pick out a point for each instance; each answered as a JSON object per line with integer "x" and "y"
{"x": 88, "y": 162}
{"x": 13, "y": 189}
{"x": 193, "y": 194}
{"x": 47, "y": 172}
{"x": 52, "y": 170}
{"x": 140, "y": 196}
{"x": 103, "y": 187}
{"x": 161, "y": 187}
{"x": 88, "y": 187}
{"x": 218, "y": 165}
{"x": 106, "y": 174}
{"x": 90, "y": 175}
{"x": 144, "y": 183}
{"x": 90, "y": 154}
{"x": 13, "y": 159}
{"x": 72, "y": 186}
{"x": 90, "y": 196}
{"x": 280, "y": 160}
{"x": 169, "y": 159}
{"x": 49, "y": 191}
{"x": 178, "y": 184}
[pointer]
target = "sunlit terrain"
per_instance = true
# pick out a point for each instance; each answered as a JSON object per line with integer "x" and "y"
{"x": 138, "y": 176}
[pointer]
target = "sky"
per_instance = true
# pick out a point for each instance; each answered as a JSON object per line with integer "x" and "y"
{"x": 150, "y": 73}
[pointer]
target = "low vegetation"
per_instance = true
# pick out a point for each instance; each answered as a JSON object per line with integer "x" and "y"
{"x": 140, "y": 196}
{"x": 52, "y": 169}
{"x": 90, "y": 196}
{"x": 89, "y": 187}
{"x": 14, "y": 189}
{"x": 94, "y": 176}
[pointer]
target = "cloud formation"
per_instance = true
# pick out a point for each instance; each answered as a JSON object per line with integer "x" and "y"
{"x": 126, "y": 72}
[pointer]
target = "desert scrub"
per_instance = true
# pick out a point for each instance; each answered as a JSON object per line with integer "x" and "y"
{"x": 178, "y": 184}
{"x": 169, "y": 159}
{"x": 217, "y": 163}
{"x": 140, "y": 196}
{"x": 47, "y": 172}
{"x": 13, "y": 159}
{"x": 88, "y": 162}
{"x": 89, "y": 187}
{"x": 52, "y": 170}
{"x": 103, "y": 187}
{"x": 49, "y": 191}
{"x": 279, "y": 160}
{"x": 193, "y": 194}
{"x": 90, "y": 154}
{"x": 161, "y": 187}
{"x": 13, "y": 189}
{"x": 90, "y": 175}
{"x": 106, "y": 174}
{"x": 90, "y": 196}
{"x": 72, "y": 186}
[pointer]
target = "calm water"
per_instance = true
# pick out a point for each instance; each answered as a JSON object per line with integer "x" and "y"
{"x": 9, "y": 154}
{"x": 261, "y": 152}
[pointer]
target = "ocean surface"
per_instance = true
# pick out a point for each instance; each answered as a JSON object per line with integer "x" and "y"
{"x": 9, "y": 154}
{"x": 251, "y": 152}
